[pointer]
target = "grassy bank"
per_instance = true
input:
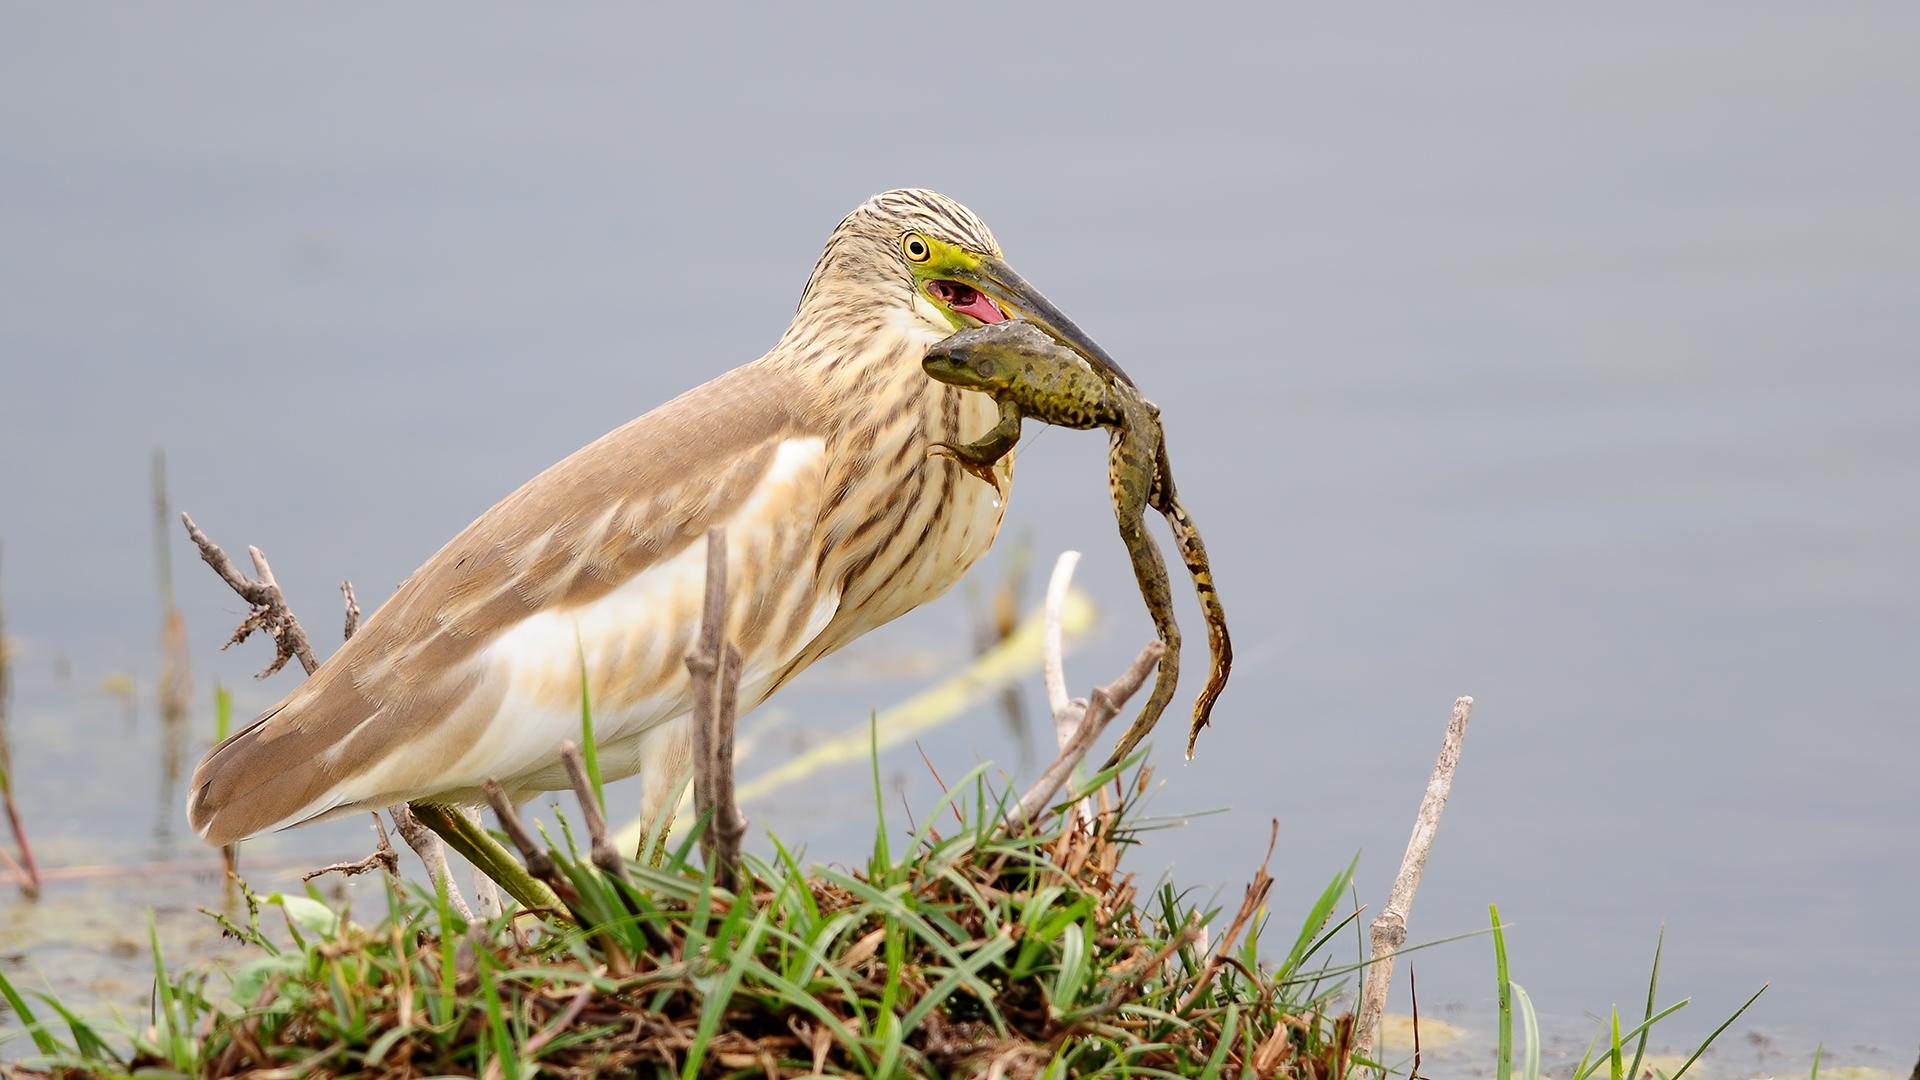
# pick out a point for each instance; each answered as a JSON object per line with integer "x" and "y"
{"x": 971, "y": 950}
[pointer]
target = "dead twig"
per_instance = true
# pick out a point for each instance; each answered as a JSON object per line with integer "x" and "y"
{"x": 1389, "y": 930}
{"x": 1102, "y": 705}
{"x": 270, "y": 611}
{"x": 715, "y": 668}
{"x": 1256, "y": 895}
{"x": 605, "y": 855}
{"x": 353, "y": 611}
{"x": 386, "y": 859}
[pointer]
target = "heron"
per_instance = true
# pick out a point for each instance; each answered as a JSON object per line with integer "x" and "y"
{"x": 589, "y": 578}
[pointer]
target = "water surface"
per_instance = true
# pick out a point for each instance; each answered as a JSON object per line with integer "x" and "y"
{"x": 1563, "y": 358}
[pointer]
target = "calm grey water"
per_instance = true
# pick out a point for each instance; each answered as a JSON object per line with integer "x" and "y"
{"x": 1564, "y": 357}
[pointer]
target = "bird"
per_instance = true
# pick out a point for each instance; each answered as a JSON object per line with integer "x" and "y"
{"x": 814, "y": 458}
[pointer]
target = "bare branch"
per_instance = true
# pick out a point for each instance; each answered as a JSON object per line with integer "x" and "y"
{"x": 539, "y": 863}
{"x": 605, "y": 855}
{"x": 270, "y": 611}
{"x": 1102, "y": 705}
{"x": 353, "y": 612}
{"x": 715, "y": 666}
{"x": 386, "y": 859}
{"x": 1389, "y": 930}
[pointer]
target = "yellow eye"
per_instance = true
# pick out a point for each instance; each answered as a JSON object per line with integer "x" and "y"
{"x": 916, "y": 247}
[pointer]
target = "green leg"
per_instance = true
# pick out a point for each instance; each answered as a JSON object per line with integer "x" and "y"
{"x": 980, "y": 457}
{"x": 482, "y": 850}
{"x": 1193, "y": 552}
{"x": 1130, "y": 476}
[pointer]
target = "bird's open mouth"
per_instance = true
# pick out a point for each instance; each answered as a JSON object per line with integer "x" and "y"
{"x": 966, "y": 300}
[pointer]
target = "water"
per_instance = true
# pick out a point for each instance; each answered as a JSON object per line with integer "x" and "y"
{"x": 1559, "y": 357}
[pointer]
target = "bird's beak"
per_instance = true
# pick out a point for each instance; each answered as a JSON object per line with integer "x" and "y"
{"x": 1008, "y": 289}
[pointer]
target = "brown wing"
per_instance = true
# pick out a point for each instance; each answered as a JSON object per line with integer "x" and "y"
{"x": 570, "y": 536}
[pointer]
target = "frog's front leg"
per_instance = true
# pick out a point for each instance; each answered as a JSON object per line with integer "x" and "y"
{"x": 979, "y": 457}
{"x": 1130, "y": 475}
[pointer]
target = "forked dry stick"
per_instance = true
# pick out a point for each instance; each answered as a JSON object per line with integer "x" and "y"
{"x": 270, "y": 612}
{"x": 1389, "y": 930}
{"x": 715, "y": 667}
{"x": 353, "y": 611}
{"x": 385, "y": 858}
{"x": 1102, "y": 705}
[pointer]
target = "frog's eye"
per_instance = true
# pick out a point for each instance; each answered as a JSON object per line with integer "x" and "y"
{"x": 916, "y": 248}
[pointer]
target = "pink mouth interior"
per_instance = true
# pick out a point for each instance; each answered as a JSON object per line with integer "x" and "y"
{"x": 966, "y": 300}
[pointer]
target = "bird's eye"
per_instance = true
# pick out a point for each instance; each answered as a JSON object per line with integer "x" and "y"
{"x": 916, "y": 247}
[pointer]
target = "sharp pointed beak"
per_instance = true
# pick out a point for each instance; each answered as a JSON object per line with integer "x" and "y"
{"x": 1011, "y": 291}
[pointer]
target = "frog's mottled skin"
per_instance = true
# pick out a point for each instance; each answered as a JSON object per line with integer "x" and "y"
{"x": 1030, "y": 375}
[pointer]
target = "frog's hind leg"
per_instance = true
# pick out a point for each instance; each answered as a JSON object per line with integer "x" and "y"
{"x": 1193, "y": 552}
{"x": 1131, "y": 483}
{"x": 1151, "y": 572}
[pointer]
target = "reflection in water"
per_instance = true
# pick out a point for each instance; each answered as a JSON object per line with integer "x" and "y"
{"x": 174, "y": 693}
{"x": 29, "y": 877}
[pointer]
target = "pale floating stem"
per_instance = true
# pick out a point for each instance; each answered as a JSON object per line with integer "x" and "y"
{"x": 1389, "y": 930}
{"x": 1053, "y": 667}
{"x": 605, "y": 855}
{"x": 1067, "y": 712}
{"x": 353, "y": 611}
{"x": 270, "y": 611}
{"x": 433, "y": 854}
{"x": 486, "y": 893}
{"x": 1102, "y": 705}
{"x": 715, "y": 668}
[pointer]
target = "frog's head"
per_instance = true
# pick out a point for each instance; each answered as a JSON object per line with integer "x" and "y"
{"x": 989, "y": 357}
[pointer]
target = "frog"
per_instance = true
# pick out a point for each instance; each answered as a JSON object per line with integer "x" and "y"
{"x": 1032, "y": 376}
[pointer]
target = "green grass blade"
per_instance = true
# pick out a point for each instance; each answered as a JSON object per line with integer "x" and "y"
{"x": 93, "y": 1048}
{"x": 1653, "y": 985}
{"x": 1530, "y": 1024}
{"x": 1613, "y": 1052}
{"x": 1316, "y": 919}
{"x": 1716, "y": 1033}
{"x": 1503, "y": 1064}
{"x": 882, "y": 867}
{"x": 222, "y": 712}
{"x": 42, "y": 1038}
{"x": 1815, "y": 1075}
{"x": 588, "y": 752}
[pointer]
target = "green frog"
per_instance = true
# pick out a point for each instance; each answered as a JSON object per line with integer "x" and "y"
{"x": 1031, "y": 375}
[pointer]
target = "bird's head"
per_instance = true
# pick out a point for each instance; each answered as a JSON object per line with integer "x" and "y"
{"x": 945, "y": 255}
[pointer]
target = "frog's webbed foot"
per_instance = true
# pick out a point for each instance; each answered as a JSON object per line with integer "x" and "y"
{"x": 981, "y": 456}
{"x": 969, "y": 459}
